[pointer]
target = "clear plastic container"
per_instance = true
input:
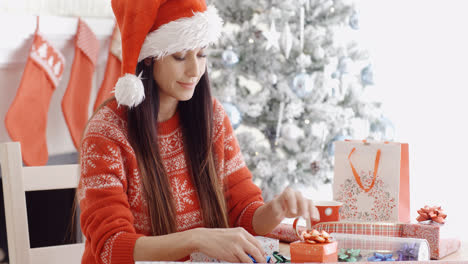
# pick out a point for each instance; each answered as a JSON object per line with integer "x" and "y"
{"x": 380, "y": 248}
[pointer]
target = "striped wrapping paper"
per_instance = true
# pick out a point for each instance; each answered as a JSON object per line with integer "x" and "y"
{"x": 286, "y": 233}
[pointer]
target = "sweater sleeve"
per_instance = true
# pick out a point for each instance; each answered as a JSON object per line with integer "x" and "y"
{"x": 243, "y": 197}
{"x": 106, "y": 219}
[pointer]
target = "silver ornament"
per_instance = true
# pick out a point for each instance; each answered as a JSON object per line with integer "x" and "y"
{"x": 230, "y": 58}
{"x": 302, "y": 85}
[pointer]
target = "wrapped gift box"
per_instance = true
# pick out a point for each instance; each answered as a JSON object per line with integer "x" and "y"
{"x": 362, "y": 228}
{"x": 286, "y": 233}
{"x": 439, "y": 245}
{"x": 302, "y": 252}
{"x": 269, "y": 246}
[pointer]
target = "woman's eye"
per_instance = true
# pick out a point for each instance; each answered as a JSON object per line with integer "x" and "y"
{"x": 178, "y": 58}
{"x": 202, "y": 55}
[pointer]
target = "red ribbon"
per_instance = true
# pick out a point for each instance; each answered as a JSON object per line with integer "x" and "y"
{"x": 356, "y": 175}
{"x": 434, "y": 213}
{"x": 312, "y": 236}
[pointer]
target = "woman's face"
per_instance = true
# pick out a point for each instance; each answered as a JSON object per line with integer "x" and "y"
{"x": 178, "y": 74}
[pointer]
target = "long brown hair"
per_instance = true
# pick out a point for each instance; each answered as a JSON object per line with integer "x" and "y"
{"x": 196, "y": 118}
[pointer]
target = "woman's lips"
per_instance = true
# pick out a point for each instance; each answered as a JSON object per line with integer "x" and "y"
{"x": 187, "y": 85}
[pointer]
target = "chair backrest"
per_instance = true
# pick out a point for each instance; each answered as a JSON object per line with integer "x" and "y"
{"x": 17, "y": 180}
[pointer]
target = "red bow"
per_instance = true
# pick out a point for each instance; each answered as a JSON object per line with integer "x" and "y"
{"x": 431, "y": 213}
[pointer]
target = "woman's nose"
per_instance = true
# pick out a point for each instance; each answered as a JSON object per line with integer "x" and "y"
{"x": 193, "y": 67}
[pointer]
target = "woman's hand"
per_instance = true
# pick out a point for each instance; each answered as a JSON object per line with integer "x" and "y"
{"x": 291, "y": 204}
{"x": 228, "y": 244}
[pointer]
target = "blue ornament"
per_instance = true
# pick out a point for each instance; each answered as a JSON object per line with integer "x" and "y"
{"x": 381, "y": 257}
{"x": 233, "y": 114}
{"x": 354, "y": 21}
{"x": 331, "y": 145}
{"x": 230, "y": 57}
{"x": 367, "y": 76}
{"x": 302, "y": 85}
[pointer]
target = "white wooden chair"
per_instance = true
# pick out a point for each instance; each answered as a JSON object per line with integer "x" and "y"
{"x": 17, "y": 180}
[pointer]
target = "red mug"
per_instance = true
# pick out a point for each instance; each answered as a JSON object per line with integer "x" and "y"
{"x": 329, "y": 211}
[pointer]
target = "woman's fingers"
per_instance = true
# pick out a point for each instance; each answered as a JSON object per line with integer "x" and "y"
{"x": 290, "y": 200}
{"x": 255, "y": 249}
{"x": 303, "y": 205}
{"x": 313, "y": 211}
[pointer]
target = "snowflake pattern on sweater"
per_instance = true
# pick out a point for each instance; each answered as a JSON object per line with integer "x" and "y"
{"x": 114, "y": 212}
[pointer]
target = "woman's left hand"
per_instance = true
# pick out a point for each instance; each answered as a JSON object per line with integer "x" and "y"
{"x": 291, "y": 203}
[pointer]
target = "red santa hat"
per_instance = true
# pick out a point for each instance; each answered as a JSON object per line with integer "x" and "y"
{"x": 156, "y": 28}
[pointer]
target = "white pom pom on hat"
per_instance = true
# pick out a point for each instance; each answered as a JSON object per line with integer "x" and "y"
{"x": 129, "y": 90}
{"x": 156, "y": 28}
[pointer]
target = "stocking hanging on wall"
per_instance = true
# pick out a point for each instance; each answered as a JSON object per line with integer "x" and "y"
{"x": 113, "y": 69}
{"x": 26, "y": 120}
{"x": 75, "y": 102}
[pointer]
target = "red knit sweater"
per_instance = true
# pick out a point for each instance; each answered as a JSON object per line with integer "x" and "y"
{"x": 113, "y": 210}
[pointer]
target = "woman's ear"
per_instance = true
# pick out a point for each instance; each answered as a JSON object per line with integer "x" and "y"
{"x": 148, "y": 61}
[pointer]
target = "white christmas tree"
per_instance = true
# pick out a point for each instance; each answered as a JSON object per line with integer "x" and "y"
{"x": 292, "y": 85}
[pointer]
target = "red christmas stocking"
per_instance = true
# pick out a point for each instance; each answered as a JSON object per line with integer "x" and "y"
{"x": 26, "y": 120}
{"x": 113, "y": 69}
{"x": 75, "y": 102}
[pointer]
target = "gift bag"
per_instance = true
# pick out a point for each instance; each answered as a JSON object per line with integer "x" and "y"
{"x": 371, "y": 179}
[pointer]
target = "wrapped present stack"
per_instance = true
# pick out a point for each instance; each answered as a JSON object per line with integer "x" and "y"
{"x": 430, "y": 226}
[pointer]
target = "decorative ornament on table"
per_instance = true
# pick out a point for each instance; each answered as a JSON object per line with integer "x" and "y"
{"x": 230, "y": 58}
{"x": 272, "y": 37}
{"x": 286, "y": 40}
{"x": 367, "y": 76}
{"x": 354, "y": 21}
{"x": 280, "y": 258}
{"x": 428, "y": 215}
{"x": 302, "y": 84}
{"x": 381, "y": 257}
{"x": 233, "y": 113}
{"x": 408, "y": 252}
{"x": 349, "y": 255}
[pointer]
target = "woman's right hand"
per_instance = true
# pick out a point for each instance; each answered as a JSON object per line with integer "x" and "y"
{"x": 228, "y": 244}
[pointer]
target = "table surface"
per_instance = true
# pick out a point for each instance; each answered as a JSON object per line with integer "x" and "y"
{"x": 461, "y": 254}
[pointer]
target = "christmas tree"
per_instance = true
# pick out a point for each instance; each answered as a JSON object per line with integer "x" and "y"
{"x": 292, "y": 85}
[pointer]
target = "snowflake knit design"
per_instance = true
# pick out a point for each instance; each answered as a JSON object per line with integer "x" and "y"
{"x": 382, "y": 202}
{"x": 183, "y": 193}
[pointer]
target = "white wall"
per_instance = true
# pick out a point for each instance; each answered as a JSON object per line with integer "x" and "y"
{"x": 419, "y": 49}
{"x": 17, "y": 32}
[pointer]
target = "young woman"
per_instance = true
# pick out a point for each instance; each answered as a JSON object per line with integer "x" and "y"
{"x": 162, "y": 175}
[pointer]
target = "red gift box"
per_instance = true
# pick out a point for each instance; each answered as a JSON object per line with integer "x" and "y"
{"x": 302, "y": 252}
{"x": 439, "y": 247}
